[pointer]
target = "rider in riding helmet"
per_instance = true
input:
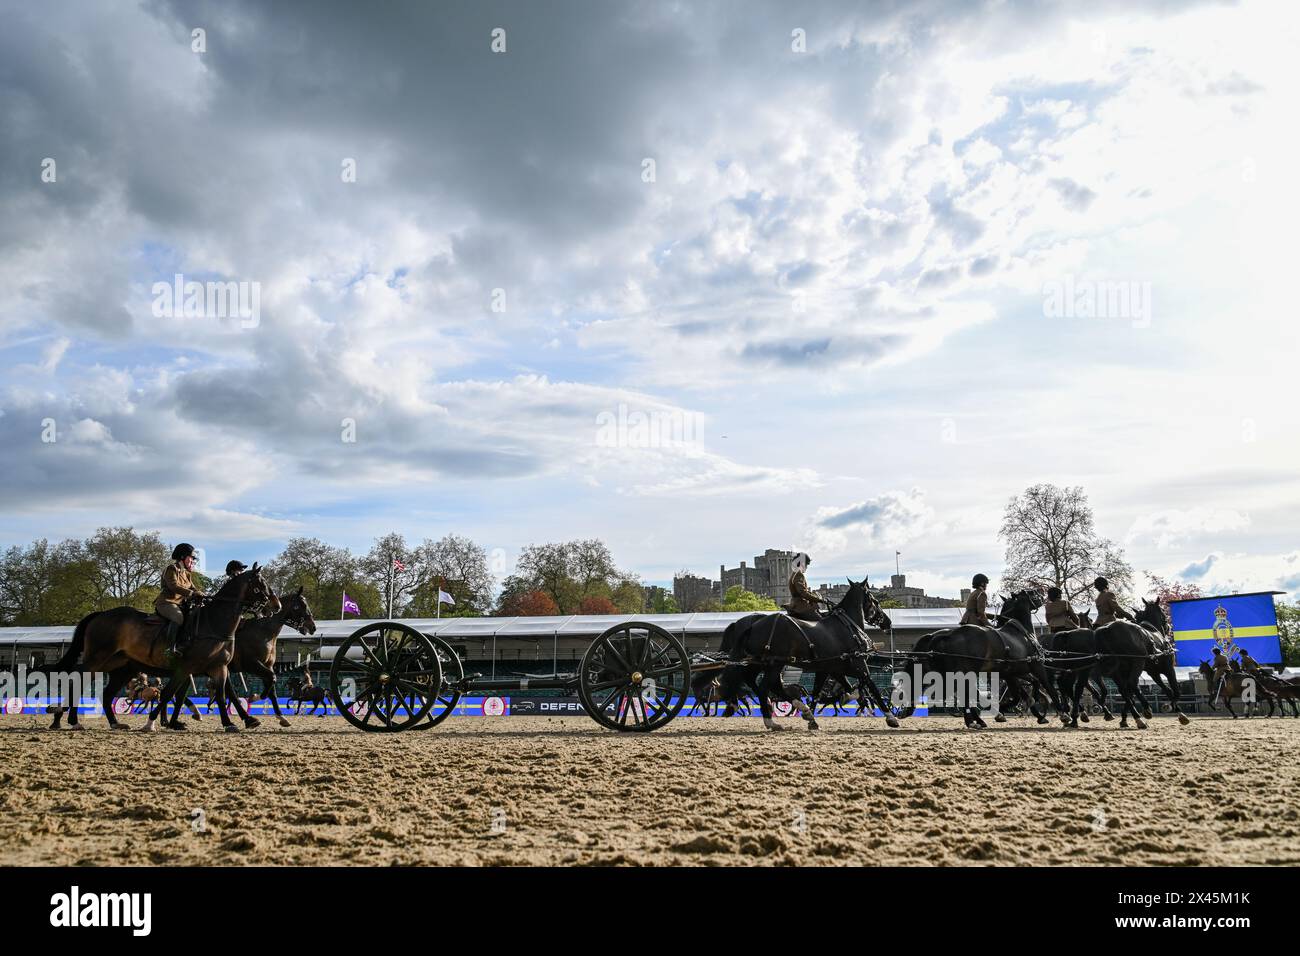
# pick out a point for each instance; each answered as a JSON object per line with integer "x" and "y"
{"x": 804, "y": 602}
{"x": 272, "y": 605}
{"x": 1108, "y": 609}
{"x": 1248, "y": 663}
{"x": 978, "y": 602}
{"x": 1060, "y": 616}
{"x": 177, "y": 588}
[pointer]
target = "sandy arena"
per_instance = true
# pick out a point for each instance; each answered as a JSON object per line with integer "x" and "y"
{"x": 711, "y": 792}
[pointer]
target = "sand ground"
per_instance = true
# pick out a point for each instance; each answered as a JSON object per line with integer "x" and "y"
{"x": 700, "y": 791}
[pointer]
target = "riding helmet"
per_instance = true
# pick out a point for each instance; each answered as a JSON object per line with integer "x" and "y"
{"x": 235, "y": 567}
{"x": 182, "y": 551}
{"x": 1101, "y": 584}
{"x": 980, "y": 580}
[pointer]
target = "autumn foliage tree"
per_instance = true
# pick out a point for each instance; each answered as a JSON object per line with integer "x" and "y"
{"x": 597, "y": 604}
{"x": 529, "y": 604}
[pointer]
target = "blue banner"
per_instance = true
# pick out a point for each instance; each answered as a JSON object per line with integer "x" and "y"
{"x": 1230, "y": 622}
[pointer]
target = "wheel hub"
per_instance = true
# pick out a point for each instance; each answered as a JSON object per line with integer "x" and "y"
{"x": 636, "y": 677}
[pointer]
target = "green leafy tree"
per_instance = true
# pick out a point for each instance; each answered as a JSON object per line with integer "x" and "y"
{"x": 1288, "y": 630}
{"x": 738, "y": 599}
{"x": 458, "y": 566}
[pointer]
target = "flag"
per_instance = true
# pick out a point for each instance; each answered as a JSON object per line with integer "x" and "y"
{"x": 397, "y": 563}
{"x": 350, "y": 606}
{"x": 444, "y": 597}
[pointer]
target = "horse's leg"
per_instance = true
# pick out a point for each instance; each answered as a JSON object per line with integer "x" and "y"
{"x": 222, "y": 677}
{"x": 249, "y": 721}
{"x": 160, "y": 705}
{"x": 1097, "y": 687}
{"x": 764, "y": 703}
{"x": 1131, "y": 694}
{"x": 1039, "y": 673}
{"x": 1172, "y": 680}
{"x": 868, "y": 687}
{"x": 112, "y": 687}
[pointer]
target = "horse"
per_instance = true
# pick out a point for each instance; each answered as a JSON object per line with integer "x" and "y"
{"x": 305, "y": 692}
{"x": 1009, "y": 650}
{"x": 1120, "y": 650}
{"x": 1237, "y": 683}
{"x": 255, "y": 650}
{"x": 104, "y": 641}
{"x": 760, "y": 646}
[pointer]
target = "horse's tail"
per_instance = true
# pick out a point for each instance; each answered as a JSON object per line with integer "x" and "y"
{"x": 69, "y": 659}
{"x": 731, "y": 636}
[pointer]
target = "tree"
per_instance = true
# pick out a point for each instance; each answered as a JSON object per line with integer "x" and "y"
{"x": 1167, "y": 590}
{"x": 529, "y": 604}
{"x": 569, "y": 573}
{"x": 125, "y": 567}
{"x": 892, "y": 603}
{"x": 458, "y": 566}
{"x": 738, "y": 599}
{"x": 394, "y": 570}
{"x": 45, "y": 585}
{"x": 597, "y": 604}
{"x": 325, "y": 573}
{"x": 664, "y": 603}
{"x": 1288, "y": 632}
{"x": 1051, "y": 540}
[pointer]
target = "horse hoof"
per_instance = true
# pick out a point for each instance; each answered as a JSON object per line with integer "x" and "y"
{"x": 1043, "y": 720}
{"x": 231, "y": 729}
{"x": 891, "y": 721}
{"x": 252, "y": 722}
{"x": 1084, "y": 718}
{"x": 121, "y": 727}
{"x": 1109, "y": 717}
{"x": 283, "y": 722}
{"x": 1000, "y": 719}
{"x": 1140, "y": 725}
{"x": 812, "y": 725}
{"x": 1182, "y": 719}
{"x": 76, "y": 726}
{"x": 180, "y": 727}
{"x": 1064, "y": 719}
{"x": 198, "y": 717}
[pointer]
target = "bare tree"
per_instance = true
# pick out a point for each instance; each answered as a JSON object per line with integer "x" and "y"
{"x": 1052, "y": 541}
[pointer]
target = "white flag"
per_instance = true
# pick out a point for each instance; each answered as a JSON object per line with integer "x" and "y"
{"x": 444, "y": 597}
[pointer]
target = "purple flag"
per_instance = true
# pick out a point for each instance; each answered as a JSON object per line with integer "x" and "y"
{"x": 350, "y": 606}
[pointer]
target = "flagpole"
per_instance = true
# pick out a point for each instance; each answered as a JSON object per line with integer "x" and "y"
{"x": 438, "y": 613}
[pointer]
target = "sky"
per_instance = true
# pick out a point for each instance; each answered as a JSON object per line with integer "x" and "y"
{"x": 696, "y": 279}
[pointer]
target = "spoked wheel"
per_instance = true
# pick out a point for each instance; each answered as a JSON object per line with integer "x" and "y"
{"x": 391, "y": 669}
{"x": 449, "y": 694}
{"x": 634, "y": 677}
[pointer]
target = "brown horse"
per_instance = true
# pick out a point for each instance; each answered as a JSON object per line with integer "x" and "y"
{"x": 255, "y": 650}
{"x": 106, "y": 640}
{"x": 1236, "y": 683}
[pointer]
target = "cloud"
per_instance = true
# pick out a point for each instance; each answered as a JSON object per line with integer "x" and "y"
{"x": 1168, "y": 527}
{"x": 1198, "y": 569}
{"x": 892, "y": 518}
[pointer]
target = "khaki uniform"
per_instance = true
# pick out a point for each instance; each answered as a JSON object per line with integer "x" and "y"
{"x": 1060, "y": 616}
{"x": 976, "y": 606}
{"x": 1108, "y": 609}
{"x": 803, "y": 602}
{"x": 177, "y": 586}
{"x": 1248, "y": 663}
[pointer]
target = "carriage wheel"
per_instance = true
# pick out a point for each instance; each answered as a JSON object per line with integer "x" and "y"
{"x": 634, "y": 677}
{"x": 393, "y": 670}
{"x": 453, "y": 672}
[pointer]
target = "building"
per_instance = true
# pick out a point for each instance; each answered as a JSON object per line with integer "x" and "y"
{"x": 692, "y": 592}
{"x": 751, "y": 579}
{"x": 912, "y": 597}
{"x": 769, "y": 577}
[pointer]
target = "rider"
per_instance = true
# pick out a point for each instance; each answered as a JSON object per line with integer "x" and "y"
{"x": 1108, "y": 609}
{"x": 272, "y": 605}
{"x": 177, "y": 588}
{"x": 1222, "y": 668}
{"x": 1060, "y": 616}
{"x": 803, "y": 600}
{"x": 978, "y": 602}
{"x": 1248, "y": 663}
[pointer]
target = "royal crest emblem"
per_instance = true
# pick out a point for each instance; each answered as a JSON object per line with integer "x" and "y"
{"x": 1223, "y": 631}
